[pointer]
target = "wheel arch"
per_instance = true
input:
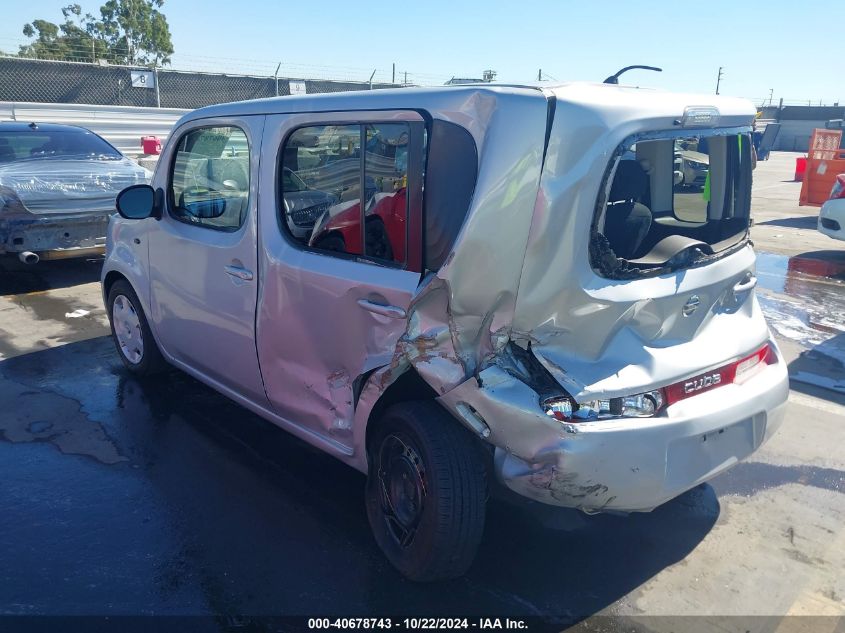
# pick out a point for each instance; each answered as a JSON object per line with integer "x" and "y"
{"x": 109, "y": 280}
{"x": 407, "y": 387}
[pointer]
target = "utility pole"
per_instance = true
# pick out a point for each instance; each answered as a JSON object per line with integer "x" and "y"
{"x": 540, "y": 75}
{"x": 771, "y": 92}
{"x": 718, "y": 80}
{"x": 393, "y": 77}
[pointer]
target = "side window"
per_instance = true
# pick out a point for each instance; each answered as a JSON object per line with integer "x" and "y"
{"x": 321, "y": 187}
{"x": 209, "y": 181}
{"x": 337, "y": 198}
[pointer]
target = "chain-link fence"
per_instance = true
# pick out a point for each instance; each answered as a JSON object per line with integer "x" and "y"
{"x": 44, "y": 81}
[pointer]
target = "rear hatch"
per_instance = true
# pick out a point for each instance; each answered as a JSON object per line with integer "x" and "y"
{"x": 638, "y": 275}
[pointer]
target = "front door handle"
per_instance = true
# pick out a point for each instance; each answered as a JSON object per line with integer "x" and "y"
{"x": 240, "y": 273}
{"x": 392, "y": 312}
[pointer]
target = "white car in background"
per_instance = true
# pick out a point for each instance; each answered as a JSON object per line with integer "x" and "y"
{"x": 832, "y": 214}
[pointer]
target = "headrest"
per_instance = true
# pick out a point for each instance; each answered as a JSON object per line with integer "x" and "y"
{"x": 629, "y": 182}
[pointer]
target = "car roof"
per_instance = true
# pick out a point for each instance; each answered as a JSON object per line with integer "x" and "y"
{"x": 618, "y": 101}
{"x": 24, "y": 126}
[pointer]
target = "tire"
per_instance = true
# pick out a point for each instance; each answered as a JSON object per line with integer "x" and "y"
{"x": 426, "y": 491}
{"x": 131, "y": 332}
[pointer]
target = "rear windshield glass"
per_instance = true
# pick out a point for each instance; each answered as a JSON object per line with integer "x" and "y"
{"x": 22, "y": 145}
{"x": 672, "y": 202}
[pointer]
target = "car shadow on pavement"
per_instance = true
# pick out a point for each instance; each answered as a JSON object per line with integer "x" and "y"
{"x": 205, "y": 508}
{"x": 797, "y": 222}
{"x": 19, "y": 278}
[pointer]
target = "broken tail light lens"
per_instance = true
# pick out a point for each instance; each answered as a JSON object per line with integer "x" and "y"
{"x": 558, "y": 408}
{"x": 641, "y": 405}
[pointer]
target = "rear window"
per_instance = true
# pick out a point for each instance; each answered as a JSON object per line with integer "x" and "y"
{"x": 672, "y": 201}
{"x": 25, "y": 144}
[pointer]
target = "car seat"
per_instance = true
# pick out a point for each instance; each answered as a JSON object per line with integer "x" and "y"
{"x": 627, "y": 221}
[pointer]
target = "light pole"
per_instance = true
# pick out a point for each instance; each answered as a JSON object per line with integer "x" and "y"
{"x": 718, "y": 80}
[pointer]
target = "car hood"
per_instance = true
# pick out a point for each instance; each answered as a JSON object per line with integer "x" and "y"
{"x": 53, "y": 186}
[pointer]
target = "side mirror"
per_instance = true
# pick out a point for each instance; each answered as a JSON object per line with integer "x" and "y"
{"x": 136, "y": 202}
{"x": 679, "y": 177}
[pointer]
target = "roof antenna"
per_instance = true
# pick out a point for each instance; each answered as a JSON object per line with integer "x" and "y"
{"x": 614, "y": 79}
{"x": 33, "y": 125}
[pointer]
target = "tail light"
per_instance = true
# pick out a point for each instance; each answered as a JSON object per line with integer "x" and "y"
{"x": 652, "y": 403}
{"x": 641, "y": 405}
{"x": 838, "y": 190}
{"x": 737, "y": 372}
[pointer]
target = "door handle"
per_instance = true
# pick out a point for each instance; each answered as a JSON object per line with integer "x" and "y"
{"x": 392, "y": 312}
{"x": 240, "y": 273}
{"x": 747, "y": 284}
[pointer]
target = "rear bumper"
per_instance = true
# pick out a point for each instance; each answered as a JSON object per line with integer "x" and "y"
{"x": 636, "y": 464}
{"x": 54, "y": 237}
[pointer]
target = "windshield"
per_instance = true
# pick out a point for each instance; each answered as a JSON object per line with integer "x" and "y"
{"x": 672, "y": 201}
{"x": 76, "y": 143}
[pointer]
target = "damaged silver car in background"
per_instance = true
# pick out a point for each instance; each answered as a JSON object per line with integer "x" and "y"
{"x": 507, "y": 287}
{"x": 58, "y": 185}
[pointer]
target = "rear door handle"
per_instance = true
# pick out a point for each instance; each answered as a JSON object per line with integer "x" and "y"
{"x": 748, "y": 283}
{"x": 392, "y": 312}
{"x": 240, "y": 273}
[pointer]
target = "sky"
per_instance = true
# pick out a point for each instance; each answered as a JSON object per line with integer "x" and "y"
{"x": 774, "y": 46}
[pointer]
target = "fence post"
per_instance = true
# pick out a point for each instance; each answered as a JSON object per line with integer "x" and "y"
{"x": 276, "y": 78}
{"x": 158, "y": 93}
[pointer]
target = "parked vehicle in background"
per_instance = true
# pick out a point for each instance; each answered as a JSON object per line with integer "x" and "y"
{"x": 303, "y": 205}
{"x": 554, "y": 316}
{"x": 832, "y": 213}
{"x": 58, "y": 185}
{"x": 692, "y": 165}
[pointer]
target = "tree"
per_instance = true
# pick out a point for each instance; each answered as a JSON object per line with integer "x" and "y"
{"x": 68, "y": 41}
{"x": 136, "y": 30}
{"x": 127, "y": 32}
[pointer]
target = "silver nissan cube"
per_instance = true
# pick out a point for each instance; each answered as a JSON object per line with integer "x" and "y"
{"x": 463, "y": 289}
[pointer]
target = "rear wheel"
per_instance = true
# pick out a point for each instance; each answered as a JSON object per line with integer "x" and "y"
{"x": 426, "y": 491}
{"x": 131, "y": 333}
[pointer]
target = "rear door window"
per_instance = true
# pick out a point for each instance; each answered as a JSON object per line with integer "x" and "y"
{"x": 346, "y": 189}
{"x": 68, "y": 143}
{"x": 672, "y": 201}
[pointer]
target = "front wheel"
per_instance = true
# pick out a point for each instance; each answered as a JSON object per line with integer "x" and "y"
{"x": 426, "y": 491}
{"x": 131, "y": 333}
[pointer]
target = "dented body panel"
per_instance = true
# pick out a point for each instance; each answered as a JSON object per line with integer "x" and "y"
{"x": 516, "y": 313}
